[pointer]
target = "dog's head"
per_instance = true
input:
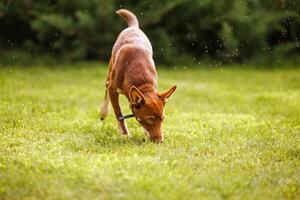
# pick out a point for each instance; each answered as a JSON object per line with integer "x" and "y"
{"x": 148, "y": 109}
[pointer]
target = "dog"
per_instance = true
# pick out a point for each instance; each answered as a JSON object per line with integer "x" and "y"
{"x": 132, "y": 73}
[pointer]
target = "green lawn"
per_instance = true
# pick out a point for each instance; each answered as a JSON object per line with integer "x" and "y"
{"x": 229, "y": 133}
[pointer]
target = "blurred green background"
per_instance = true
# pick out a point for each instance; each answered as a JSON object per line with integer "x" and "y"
{"x": 181, "y": 31}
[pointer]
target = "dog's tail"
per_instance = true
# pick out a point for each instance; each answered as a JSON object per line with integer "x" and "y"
{"x": 129, "y": 17}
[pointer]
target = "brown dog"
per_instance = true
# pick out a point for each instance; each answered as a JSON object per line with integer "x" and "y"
{"x": 132, "y": 73}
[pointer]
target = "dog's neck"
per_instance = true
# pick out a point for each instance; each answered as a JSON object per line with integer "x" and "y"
{"x": 147, "y": 88}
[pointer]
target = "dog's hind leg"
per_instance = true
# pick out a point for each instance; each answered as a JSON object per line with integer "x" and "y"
{"x": 105, "y": 106}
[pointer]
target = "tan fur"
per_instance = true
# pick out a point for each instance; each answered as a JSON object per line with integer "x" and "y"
{"x": 132, "y": 71}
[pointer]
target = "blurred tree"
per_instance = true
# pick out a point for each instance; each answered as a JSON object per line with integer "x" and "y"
{"x": 228, "y": 31}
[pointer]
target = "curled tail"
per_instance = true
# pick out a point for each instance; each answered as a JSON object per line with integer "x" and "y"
{"x": 129, "y": 17}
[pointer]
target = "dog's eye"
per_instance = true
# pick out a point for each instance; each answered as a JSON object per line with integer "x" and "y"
{"x": 138, "y": 106}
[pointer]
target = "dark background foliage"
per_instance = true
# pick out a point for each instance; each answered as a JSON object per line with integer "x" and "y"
{"x": 180, "y": 30}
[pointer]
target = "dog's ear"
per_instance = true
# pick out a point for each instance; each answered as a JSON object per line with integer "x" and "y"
{"x": 136, "y": 97}
{"x": 165, "y": 95}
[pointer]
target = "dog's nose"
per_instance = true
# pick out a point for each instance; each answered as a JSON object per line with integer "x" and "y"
{"x": 157, "y": 139}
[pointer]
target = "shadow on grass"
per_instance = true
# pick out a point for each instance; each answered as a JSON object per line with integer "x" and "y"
{"x": 109, "y": 137}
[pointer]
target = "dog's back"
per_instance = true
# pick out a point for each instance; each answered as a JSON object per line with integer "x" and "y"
{"x": 131, "y": 35}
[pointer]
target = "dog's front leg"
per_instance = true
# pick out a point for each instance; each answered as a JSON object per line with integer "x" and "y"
{"x": 114, "y": 99}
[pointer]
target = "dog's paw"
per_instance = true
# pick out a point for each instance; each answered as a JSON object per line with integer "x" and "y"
{"x": 128, "y": 135}
{"x": 103, "y": 113}
{"x": 102, "y": 116}
{"x": 123, "y": 129}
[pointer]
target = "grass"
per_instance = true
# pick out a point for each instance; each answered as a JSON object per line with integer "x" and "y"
{"x": 229, "y": 133}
